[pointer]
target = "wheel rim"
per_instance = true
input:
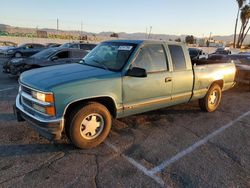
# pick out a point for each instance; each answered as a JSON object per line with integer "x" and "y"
{"x": 213, "y": 98}
{"x": 92, "y": 126}
{"x": 18, "y": 55}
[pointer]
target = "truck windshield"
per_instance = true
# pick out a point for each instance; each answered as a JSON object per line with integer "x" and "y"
{"x": 110, "y": 55}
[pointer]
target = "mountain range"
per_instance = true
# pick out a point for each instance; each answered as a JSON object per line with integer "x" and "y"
{"x": 12, "y": 29}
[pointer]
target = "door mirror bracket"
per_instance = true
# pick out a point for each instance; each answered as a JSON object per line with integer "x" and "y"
{"x": 137, "y": 72}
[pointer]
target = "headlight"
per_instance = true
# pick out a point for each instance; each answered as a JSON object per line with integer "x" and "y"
{"x": 39, "y": 108}
{"x": 50, "y": 110}
{"x": 43, "y": 97}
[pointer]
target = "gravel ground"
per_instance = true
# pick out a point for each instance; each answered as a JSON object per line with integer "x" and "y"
{"x": 172, "y": 147}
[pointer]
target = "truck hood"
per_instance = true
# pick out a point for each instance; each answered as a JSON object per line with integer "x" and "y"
{"x": 46, "y": 78}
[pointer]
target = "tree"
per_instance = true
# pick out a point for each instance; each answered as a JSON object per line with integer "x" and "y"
{"x": 240, "y": 4}
{"x": 190, "y": 39}
{"x": 115, "y": 35}
{"x": 244, "y": 16}
{"x": 178, "y": 40}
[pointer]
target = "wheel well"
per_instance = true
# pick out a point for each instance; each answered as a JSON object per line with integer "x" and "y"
{"x": 18, "y": 52}
{"x": 35, "y": 66}
{"x": 219, "y": 82}
{"x": 106, "y": 101}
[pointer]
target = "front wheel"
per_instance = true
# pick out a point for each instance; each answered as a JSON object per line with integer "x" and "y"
{"x": 90, "y": 126}
{"x": 212, "y": 99}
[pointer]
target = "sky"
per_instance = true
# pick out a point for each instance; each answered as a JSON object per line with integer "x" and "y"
{"x": 196, "y": 17}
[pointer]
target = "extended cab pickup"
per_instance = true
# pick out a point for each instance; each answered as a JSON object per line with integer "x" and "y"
{"x": 116, "y": 79}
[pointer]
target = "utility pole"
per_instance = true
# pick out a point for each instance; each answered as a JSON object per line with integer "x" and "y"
{"x": 57, "y": 24}
{"x": 210, "y": 36}
{"x": 149, "y": 32}
{"x": 146, "y": 32}
{"x": 81, "y": 27}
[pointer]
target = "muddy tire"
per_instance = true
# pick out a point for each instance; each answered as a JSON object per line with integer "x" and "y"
{"x": 89, "y": 126}
{"x": 212, "y": 99}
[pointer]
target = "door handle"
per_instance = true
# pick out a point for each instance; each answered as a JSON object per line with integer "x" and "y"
{"x": 168, "y": 79}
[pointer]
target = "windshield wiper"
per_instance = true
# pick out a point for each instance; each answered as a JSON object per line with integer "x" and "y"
{"x": 83, "y": 62}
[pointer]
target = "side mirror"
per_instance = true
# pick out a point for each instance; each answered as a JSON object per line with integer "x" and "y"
{"x": 137, "y": 72}
{"x": 54, "y": 58}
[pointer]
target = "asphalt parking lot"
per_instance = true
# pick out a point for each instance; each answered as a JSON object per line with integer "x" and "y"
{"x": 173, "y": 147}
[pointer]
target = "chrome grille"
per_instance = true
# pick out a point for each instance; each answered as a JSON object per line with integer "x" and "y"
{"x": 26, "y": 90}
{"x": 26, "y": 102}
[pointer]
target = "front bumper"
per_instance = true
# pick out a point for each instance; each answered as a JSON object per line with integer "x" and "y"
{"x": 6, "y": 55}
{"x": 49, "y": 128}
{"x": 6, "y": 65}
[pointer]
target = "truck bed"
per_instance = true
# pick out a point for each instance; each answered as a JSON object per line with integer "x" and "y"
{"x": 205, "y": 73}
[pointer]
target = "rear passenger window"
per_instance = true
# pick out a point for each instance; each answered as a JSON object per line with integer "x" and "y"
{"x": 78, "y": 54}
{"x": 152, "y": 58}
{"x": 87, "y": 46}
{"x": 74, "y": 46}
{"x": 178, "y": 57}
{"x": 63, "y": 55}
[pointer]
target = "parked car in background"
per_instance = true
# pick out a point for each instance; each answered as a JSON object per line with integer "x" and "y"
{"x": 24, "y": 50}
{"x": 84, "y": 46}
{"x": 196, "y": 53}
{"x": 7, "y": 43}
{"x": 52, "y": 45}
{"x": 242, "y": 62}
{"x": 116, "y": 79}
{"x": 212, "y": 59}
{"x": 223, "y": 51}
{"x": 48, "y": 57}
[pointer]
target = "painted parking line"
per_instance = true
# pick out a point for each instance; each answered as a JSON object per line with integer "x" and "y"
{"x": 152, "y": 173}
{"x": 196, "y": 145}
{"x": 138, "y": 165}
{"x": 7, "y": 89}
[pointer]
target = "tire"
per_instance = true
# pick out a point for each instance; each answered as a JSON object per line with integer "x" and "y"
{"x": 212, "y": 99}
{"x": 18, "y": 54}
{"x": 99, "y": 121}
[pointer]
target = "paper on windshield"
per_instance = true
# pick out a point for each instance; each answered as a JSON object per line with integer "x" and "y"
{"x": 127, "y": 48}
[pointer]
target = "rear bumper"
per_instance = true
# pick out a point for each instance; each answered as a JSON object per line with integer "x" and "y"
{"x": 49, "y": 128}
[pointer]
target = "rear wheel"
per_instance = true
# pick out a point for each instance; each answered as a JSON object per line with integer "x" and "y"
{"x": 18, "y": 54}
{"x": 89, "y": 126}
{"x": 212, "y": 99}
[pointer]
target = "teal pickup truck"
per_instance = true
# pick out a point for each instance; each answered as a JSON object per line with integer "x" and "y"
{"x": 116, "y": 79}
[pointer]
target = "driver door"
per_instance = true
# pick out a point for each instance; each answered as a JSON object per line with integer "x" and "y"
{"x": 62, "y": 57}
{"x": 153, "y": 91}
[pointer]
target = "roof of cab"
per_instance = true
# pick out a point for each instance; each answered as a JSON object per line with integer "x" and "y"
{"x": 145, "y": 41}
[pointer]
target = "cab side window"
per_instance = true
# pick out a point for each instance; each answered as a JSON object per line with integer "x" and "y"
{"x": 63, "y": 55}
{"x": 152, "y": 58}
{"x": 74, "y": 46}
{"x": 178, "y": 57}
{"x": 29, "y": 46}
